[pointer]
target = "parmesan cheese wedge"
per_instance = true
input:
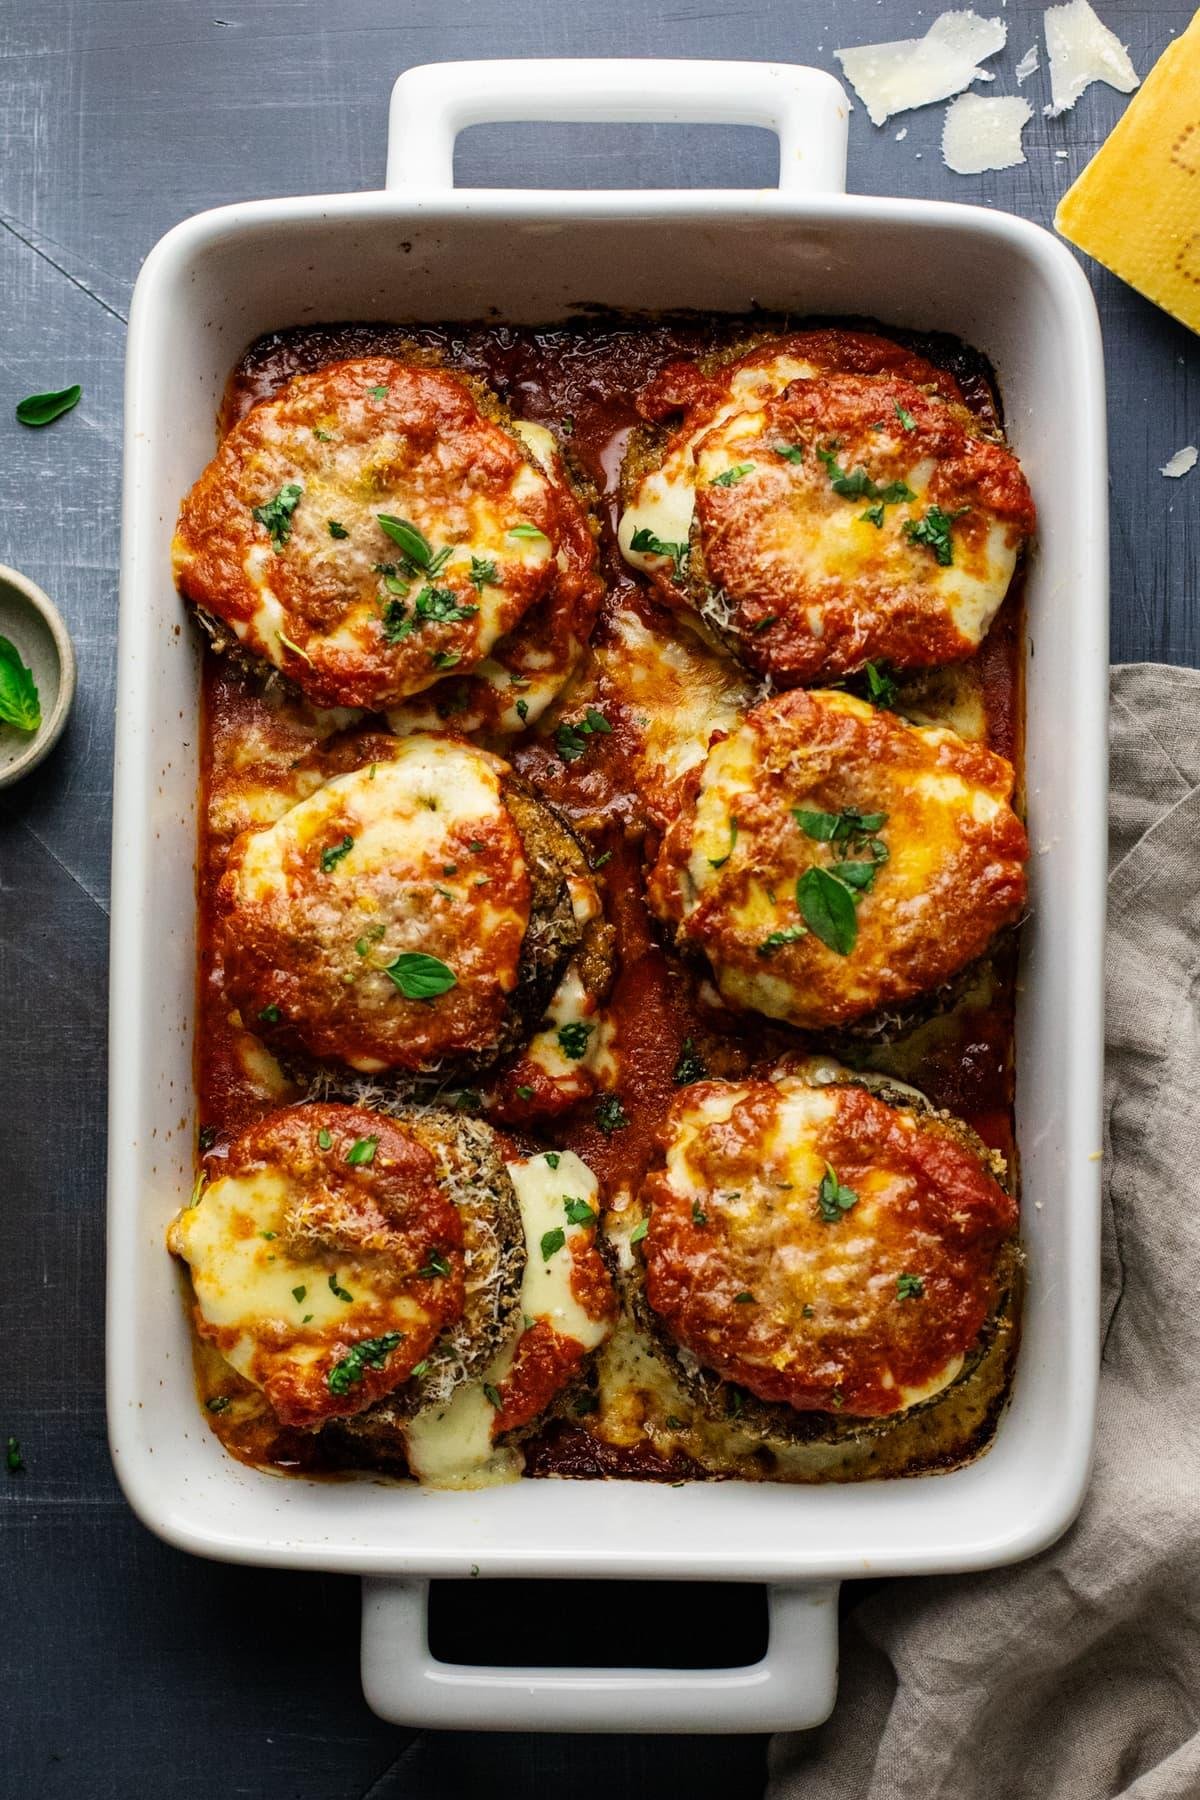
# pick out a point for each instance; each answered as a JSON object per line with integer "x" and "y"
{"x": 895, "y": 77}
{"x": 1181, "y": 463}
{"x": 1134, "y": 206}
{"x": 983, "y": 132}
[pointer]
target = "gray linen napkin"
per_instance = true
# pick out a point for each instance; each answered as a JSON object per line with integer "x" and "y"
{"x": 1077, "y": 1675}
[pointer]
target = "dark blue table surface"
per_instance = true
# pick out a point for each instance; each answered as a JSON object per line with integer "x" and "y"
{"x": 131, "y": 1669}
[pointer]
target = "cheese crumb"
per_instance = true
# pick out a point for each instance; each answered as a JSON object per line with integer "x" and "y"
{"x": 895, "y": 77}
{"x": 982, "y": 133}
{"x": 1082, "y": 49}
{"x": 1182, "y": 461}
{"x": 1027, "y": 64}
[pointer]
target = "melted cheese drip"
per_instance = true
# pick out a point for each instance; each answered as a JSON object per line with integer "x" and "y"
{"x": 666, "y": 497}
{"x": 452, "y": 1447}
{"x": 571, "y": 1004}
{"x": 235, "y": 1241}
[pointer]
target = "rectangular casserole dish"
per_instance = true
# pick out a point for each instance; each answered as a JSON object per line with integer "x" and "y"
{"x": 423, "y": 250}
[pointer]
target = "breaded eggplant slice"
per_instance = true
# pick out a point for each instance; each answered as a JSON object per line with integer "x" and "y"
{"x": 372, "y": 527}
{"x": 340, "y": 1245}
{"x": 833, "y": 863}
{"x": 413, "y": 915}
{"x": 820, "y": 1257}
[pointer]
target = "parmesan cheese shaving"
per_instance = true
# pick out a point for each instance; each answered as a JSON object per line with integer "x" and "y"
{"x": 1082, "y": 49}
{"x": 981, "y": 133}
{"x": 1182, "y": 461}
{"x": 1028, "y": 64}
{"x": 895, "y": 77}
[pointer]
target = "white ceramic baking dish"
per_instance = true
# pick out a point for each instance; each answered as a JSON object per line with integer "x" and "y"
{"x": 422, "y": 250}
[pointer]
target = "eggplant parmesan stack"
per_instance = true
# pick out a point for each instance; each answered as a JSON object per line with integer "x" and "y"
{"x": 817, "y": 523}
{"x": 833, "y": 864}
{"x": 381, "y": 524}
{"x": 809, "y": 1248}
{"x": 416, "y": 914}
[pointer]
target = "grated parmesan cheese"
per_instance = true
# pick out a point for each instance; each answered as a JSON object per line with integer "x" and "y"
{"x": 1028, "y": 64}
{"x": 984, "y": 133}
{"x": 895, "y": 77}
{"x": 1082, "y": 49}
{"x": 1182, "y": 461}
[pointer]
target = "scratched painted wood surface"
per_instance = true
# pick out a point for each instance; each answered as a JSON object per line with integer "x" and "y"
{"x": 131, "y": 1669}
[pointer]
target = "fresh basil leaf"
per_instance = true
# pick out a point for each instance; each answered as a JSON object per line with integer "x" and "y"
{"x": 827, "y": 908}
{"x": 552, "y": 1159}
{"x": 933, "y": 531}
{"x": 905, "y": 417}
{"x": 415, "y": 544}
{"x": 325, "y": 1139}
{"x": 578, "y": 1211}
{"x": 332, "y": 855}
{"x": 421, "y": 977}
{"x": 881, "y": 688}
{"x": 339, "y": 1293}
{"x": 639, "y": 1231}
{"x": 857, "y": 874}
{"x": 362, "y": 1152}
{"x": 337, "y": 529}
{"x": 43, "y": 409}
{"x": 484, "y": 572}
{"x": 645, "y": 543}
{"x": 20, "y": 704}
{"x": 552, "y": 1241}
{"x": 834, "y": 1200}
{"x": 822, "y": 826}
{"x": 793, "y": 453}
{"x": 436, "y": 1265}
{"x": 527, "y": 531}
{"x": 573, "y": 1038}
{"x": 492, "y": 1395}
{"x": 730, "y": 477}
{"x": 909, "y": 1287}
{"x": 787, "y": 934}
{"x": 718, "y": 862}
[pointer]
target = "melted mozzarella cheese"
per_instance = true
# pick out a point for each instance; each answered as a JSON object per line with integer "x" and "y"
{"x": 245, "y": 1279}
{"x": 665, "y": 498}
{"x": 570, "y": 1004}
{"x": 452, "y": 1446}
{"x": 837, "y": 544}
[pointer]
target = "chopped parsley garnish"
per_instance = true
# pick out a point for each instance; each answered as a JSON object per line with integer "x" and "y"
{"x": 421, "y": 977}
{"x": 552, "y": 1241}
{"x": 369, "y": 1353}
{"x": 744, "y": 1299}
{"x": 646, "y": 544}
{"x": 934, "y": 532}
{"x": 905, "y": 417}
{"x": 270, "y": 1015}
{"x": 787, "y": 934}
{"x": 571, "y": 740}
{"x": 337, "y": 529}
{"x": 492, "y": 1396}
{"x": 333, "y": 854}
{"x": 524, "y": 1092}
{"x": 484, "y": 572}
{"x": 419, "y": 1369}
{"x": 806, "y": 1312}
{"x": 718, "y": 862}
{"x": 298, "y": 1294}
{"x": 573, "y": 1038}
{"x": 269, "y": 1235}
{"x": 468, "y": 1100}
{"x": 764, "y": 624}
{"x": 446, "y": 659}
{"x": 440, "y": 606}
{"x": 378, "y": 393}
{"x": 610, "y": 1114}
{"x": 833, "y": 1200}
{"x": 370, "y": 936}
{"x": 859, "y": 485}
{"x": 850, "y": 828}
{"x": 43, "y": 409}
{"x": 435, "y": 1265}
{"x": 827, "y": 908}
{"x": 20, "y": 704}
{"x": 793, "y": 453}
{"x": 339, "y": 1293}
{"x": 730, "y": 477}
{"x": 881, "y": 689}
{"x": 553, "y": 1159}
{"x": 525, "y": 530}
{"x": 578, "y": 1211}
{"x": 325, "y": 1139}
{"x": 598, "y": 862}
{"x": 909, "y": 1287}
{"x": 522, "y": 710}
{"x": 206, "y": 1138}
{"x": 217, "y": 1404}
{"x": 699, "y": 1216}
{"x": 691, "y": 1065}
{"x": 325, "y": 437}
{"x": 362, "y": 1152}
{"x": 276, "y": 514}
{"x": 639, "y": 1231}
{"x": 873, "y": 515}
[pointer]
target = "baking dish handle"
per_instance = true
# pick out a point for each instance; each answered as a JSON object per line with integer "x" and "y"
{"x": 805, "y": 108}
{"x": 791, "y": 1688}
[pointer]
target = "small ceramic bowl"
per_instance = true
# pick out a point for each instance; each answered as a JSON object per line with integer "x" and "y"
{"x": 31, "y": 621}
